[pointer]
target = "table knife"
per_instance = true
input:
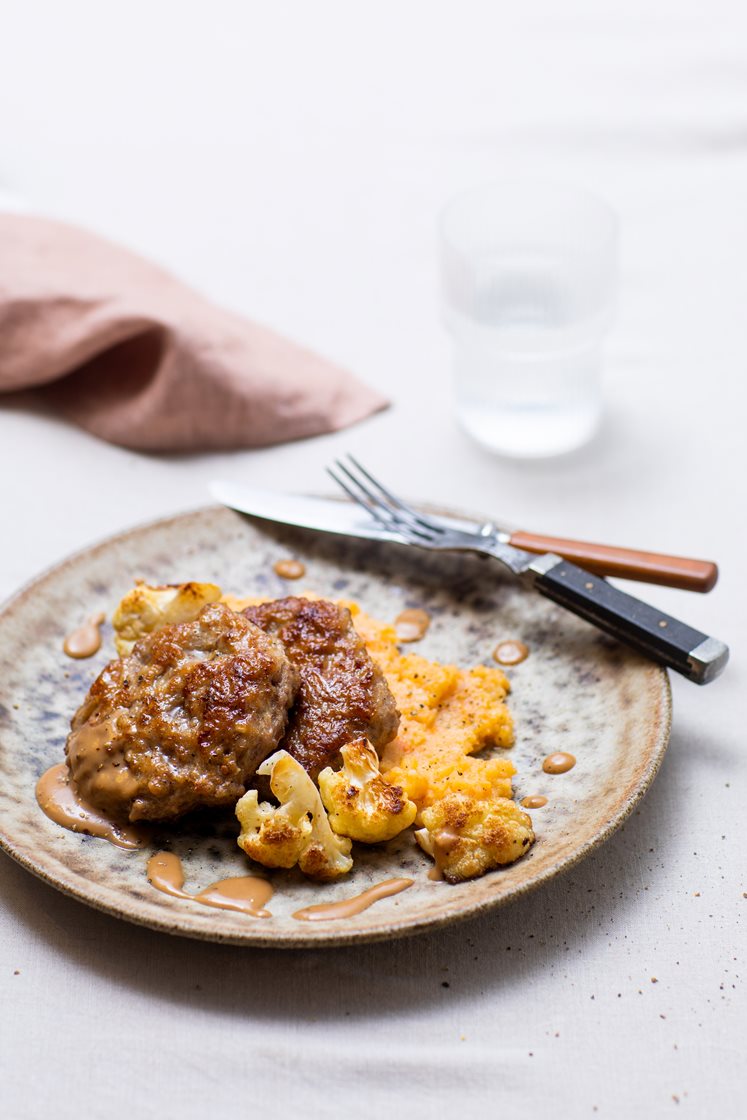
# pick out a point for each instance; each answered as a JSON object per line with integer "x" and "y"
{"x": 329, "y": 515}
{"x": 697, "y": 656}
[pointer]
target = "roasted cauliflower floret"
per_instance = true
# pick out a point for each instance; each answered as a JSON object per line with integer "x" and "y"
{"x": 145, "y": 609}
{"x": 295, "y": 832}
{"x": 467, "y": 837}
{"x": 360, "y": 803}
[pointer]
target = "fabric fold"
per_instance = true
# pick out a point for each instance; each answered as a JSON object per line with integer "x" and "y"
{"x": 138, "y": 358}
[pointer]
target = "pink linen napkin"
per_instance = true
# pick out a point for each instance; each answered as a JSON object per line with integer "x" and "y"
{"x": 136, "y": 357}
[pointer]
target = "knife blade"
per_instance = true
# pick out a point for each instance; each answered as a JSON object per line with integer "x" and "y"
{"x": 326, "y": 515}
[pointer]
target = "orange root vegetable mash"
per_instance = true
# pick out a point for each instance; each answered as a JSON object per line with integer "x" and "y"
{"x": 447, "y": 716}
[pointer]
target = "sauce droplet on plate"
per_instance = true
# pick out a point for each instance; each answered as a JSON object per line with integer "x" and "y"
{"x": 165, "y": 873}
{"x": 60, "y": 800}
{"x": 85, "y": 640}
{"x": 558, "y": 763}
{"x": 289, "y": 569}
{"x": 246, "y": 894}
{"x": 510, "y": 652}
{"x": 534, "y": 801}
{"x": 412, "y": 625}
{"x": 349, "y": 907}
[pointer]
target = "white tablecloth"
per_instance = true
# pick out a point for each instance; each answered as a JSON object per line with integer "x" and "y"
{"x": 290, "y": 159}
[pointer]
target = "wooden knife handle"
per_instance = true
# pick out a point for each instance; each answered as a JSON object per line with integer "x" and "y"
{"x": 625, "y": 563}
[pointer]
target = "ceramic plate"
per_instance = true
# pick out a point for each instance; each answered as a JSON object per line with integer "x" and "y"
{"x": 578, "y": 691}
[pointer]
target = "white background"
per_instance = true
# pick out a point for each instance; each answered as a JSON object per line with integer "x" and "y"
{"x": 289, "y": 159}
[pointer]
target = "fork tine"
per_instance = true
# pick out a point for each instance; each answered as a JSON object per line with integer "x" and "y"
{"x": 392, "y": 499}
{"x": 355, "y": 490}
{"x": 373, "y": 504}
{"x": 358, "y": 497}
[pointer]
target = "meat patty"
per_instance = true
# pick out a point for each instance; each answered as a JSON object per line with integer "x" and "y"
{"x": 184, "y": 720}
{"x": 342, "y": 694}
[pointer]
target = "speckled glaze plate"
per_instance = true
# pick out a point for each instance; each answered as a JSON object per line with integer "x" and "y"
{"x": 578, "y": 691}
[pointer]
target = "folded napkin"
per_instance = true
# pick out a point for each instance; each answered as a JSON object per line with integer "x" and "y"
{"x": 138, "y": 358}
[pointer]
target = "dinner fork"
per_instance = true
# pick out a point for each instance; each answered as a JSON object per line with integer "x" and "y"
{"x": 646, "y": 629}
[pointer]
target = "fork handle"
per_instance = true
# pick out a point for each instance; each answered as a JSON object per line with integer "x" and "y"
{"x": 625, "y": 563}
{"x": 650, "y": 631}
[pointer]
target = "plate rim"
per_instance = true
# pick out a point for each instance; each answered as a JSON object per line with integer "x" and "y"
{"x": 391, "y": 927}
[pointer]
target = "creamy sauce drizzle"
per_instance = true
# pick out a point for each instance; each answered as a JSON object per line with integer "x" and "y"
{"x": 558, "y": 763}
{"x": 60, "y": 800}
{"x": 510, "y": 652}
{"x": 97, "y": 756}
{"x": 349, "y": 907}
{"x": 445, "y": 840}
{"x": 535, "y": 801}
{"x": 289, "y": 569}
{"x": 247, "y": 894}
{"x": 412, "y": 625}
{"x": 86, "y": 639}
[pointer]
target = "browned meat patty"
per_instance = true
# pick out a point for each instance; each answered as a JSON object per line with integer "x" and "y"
{"x": 342, "y": 693}
{"x": 184, "y": 721}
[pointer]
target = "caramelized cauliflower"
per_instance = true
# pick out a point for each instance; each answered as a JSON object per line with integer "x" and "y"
{"x": 295, "y": 832}
{"x": 467, "y": 837}
{"x": 145, "y": 609}
{"x": 360, "y": 803}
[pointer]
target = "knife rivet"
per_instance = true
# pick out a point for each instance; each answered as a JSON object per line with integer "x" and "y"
{"x": 589, "y": 585}
{"x": 662, "y": 622}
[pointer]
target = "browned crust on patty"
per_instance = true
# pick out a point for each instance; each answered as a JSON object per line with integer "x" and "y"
{"x": 342, "y": 693}
{"x": 184, "y": 721}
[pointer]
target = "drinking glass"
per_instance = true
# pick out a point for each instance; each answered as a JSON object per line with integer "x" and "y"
{"x": 529, "y": 277}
